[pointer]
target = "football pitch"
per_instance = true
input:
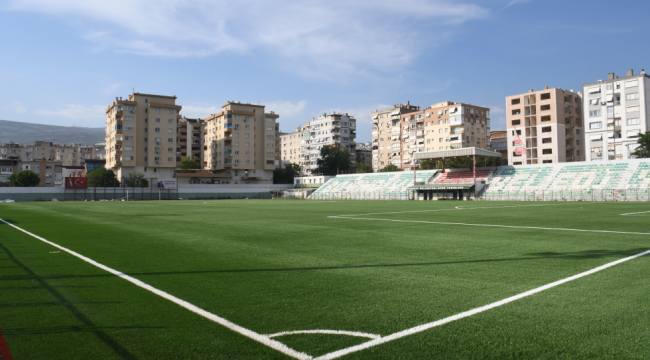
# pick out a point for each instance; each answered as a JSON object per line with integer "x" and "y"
{"x": 284, "y": 279}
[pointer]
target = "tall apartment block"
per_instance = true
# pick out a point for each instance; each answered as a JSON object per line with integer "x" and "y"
{"x": 616, "y": 112}
{"x": 338, "y": 130}
{"x": 242, "y": 140}
{"x": 386, "y": 135}
{"x": 191, "y": 136}
{"x": 445, "y": 125}
{"x": 293, "y": 148}
{"x": 549, "y": 122}
{"x": 141, "y": 135}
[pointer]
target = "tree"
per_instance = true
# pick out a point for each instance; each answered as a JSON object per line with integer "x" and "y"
{"x": 25, "y": 178}
{"x": 286, "y": 175}
{"x": 364, "y": 168}
{"x": 188, "y": 164}
{"x": 427, "y": 164}
{"x": 390, "y": 168}
{"x": 643, "y": 150}
{"x": 333, "y": 160}
{"x": 136, "y": 179}
{"x": 101, "y": 177}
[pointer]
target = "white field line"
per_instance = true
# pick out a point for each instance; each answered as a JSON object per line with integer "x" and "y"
{"x": 208, "y": 315}
{"x": 642, "y": 212}
{"x": 450, "y": 209}
{"x": 330, "y": 332}
{"x": 492, "y": 225}
{"x": 420, "y": 328}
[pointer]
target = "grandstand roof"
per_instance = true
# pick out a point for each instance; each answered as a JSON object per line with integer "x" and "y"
{"x": 470, "y": 151}
{"x": 441, "y": 186}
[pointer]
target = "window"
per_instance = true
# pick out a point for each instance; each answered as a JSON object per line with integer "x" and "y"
{"x": 547, "y": 140}
{"x": 170, "y": 140}
{"x": 632, "y": 96}
{"x": 128, "y": 148}
{"x": 545, "y": 107}
{"x": 633, "y": 108}
{"x": 170, "y": 111}
{"x": 546, "y": 118}
{"x": 170, "y": 121}
{"x": 247, "y": 135}
{"x": 170, "y": 158}
{"x": 128, "y": 138}
{"x": 515, "y": 101}
{"x": 129, "y": 108}
{"x": 516, "y": 112}
{"x": 171, "y": 131}
{"x": 546, "y": 96}
{"x": 595, "y": 125}
{"x": 247, "y": 144}
{"x": 236, "y": 134}
{"x": 609, "y": 87}
{"x": 248, "y": 127}
{"x": 128, "y": 118}
{"x": 270, "y": 120}
{"x": 633, "y": 133}
{"x": 631, "y": 83}
{"x": 157, "y": 111}
{"x": 157, "y": 129}
{"x": 157, "y": 120}
{"x": 633, "y": 121}
{"x": 594, "y": 113}
{"x": 269, "y": 128}
{"x": 128, "y": 158}
{"x": 595, "y": 101}
{"x": 129, "y": 127}
{"x": 595, "y": 89}
{"x": 547, "y": 151}
{"x": 516, "y": 122}
{"x": 546, "y": 129}
{"x": 170, "y": 149}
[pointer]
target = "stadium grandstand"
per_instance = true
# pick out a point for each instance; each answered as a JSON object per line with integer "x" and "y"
{"x": 627, "y": 180}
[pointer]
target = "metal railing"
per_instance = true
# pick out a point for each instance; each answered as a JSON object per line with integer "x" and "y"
{"x": 364, "y": 195}
{"x": 568, "y": 194}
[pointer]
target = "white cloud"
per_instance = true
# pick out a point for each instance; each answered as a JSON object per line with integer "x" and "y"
{"x": 96, "y": 112}
{"x": 321, "y": 38}
{"x": 497, "y": 110}
{"x": 199, "y": 111}
{"x": 286, "y": 109}
{"x": 18, "y": 108}
{"x": 514, "y": 2}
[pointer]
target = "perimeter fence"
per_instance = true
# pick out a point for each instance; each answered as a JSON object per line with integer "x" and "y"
{"x": 126, "y": 189}
{"x": 370, "y": 195}
{"x": 568, "y": 194}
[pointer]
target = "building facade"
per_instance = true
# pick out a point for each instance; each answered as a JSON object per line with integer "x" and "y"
{"x": 499, "y": 143}
{"x": 550, "y": 124}
{"x": 242, "y": 140}
{"x": 50, "y": 172}
{"x": 386, "y": 135}
{"x": 337, "y": 130}
{"x": 141, "y": 135}
{"x": 293, "y": 148}
{"x": 364, "y": 153}
{"x": 191, "y": 137}
{"x": 617, "y": 110}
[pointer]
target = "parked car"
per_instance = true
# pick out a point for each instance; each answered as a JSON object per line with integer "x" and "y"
{"x": 8, "y": 200}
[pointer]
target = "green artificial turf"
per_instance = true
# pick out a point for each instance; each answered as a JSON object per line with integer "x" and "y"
{"x": 275, "y": 265}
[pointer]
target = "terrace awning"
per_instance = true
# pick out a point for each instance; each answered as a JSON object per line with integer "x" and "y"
{"x": 462, "y": 152}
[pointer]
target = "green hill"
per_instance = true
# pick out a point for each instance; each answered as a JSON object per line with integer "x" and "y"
{"x": 26, "y": 133}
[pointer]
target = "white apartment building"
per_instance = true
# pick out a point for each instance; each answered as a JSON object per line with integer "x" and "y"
{"x": 616, "y": 111}
{"x": 338, "y": 130}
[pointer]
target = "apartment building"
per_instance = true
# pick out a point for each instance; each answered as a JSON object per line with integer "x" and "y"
{"x": 11, "y": 151}
{"x": 8, "y": 167}
{"x": 338, "y": 130}
{"x": 444, "y": 125}
{"x": 293, "y": 147}
{"x": 549, "y": 122}
{"x": 50, "y": 172}
{"x": 141, "y": 135}
{"x": 617, "y": 110}
{"x": 242, "y": 141}
{"x": 191, "y": 136}
{"x": 99, "y": 150}
{"x": 364, "y": 153}
{"x": 386, "y": 135}
{"x": 499, "y": 143}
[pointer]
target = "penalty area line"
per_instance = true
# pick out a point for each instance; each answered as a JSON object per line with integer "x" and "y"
{"x": 420, "y": 328}
{"x": 193, "y": 308}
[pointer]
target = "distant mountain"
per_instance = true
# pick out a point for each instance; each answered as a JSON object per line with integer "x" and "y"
{"x": 27, "y": 133}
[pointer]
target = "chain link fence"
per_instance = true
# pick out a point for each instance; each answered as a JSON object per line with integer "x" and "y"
{"x": 567, "y": 194}
{"x": 371, "y": 195}
{"x": 112, "y": 189}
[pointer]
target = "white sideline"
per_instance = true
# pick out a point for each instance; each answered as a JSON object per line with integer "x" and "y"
{"x": 450, "y": 209}
{"x": 420, "y": 328}
{"x": 330, "y": 332}
{"x": 642, "y": 212}
{"x": 491, "y": 225}
{"x": 208, "y": 315}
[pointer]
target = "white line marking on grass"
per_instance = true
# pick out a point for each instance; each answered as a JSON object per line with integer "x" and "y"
{"x": 642, "y": 212}
{"x": 208, "y": 315}
{"x": 450, "y": 209}
{"x": 420, "y": 328}
{"x": 492, "y": 225}
{"x": 330, "y": 332}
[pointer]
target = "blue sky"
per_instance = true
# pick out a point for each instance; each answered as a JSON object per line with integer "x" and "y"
{"x": 63, "y": 61}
